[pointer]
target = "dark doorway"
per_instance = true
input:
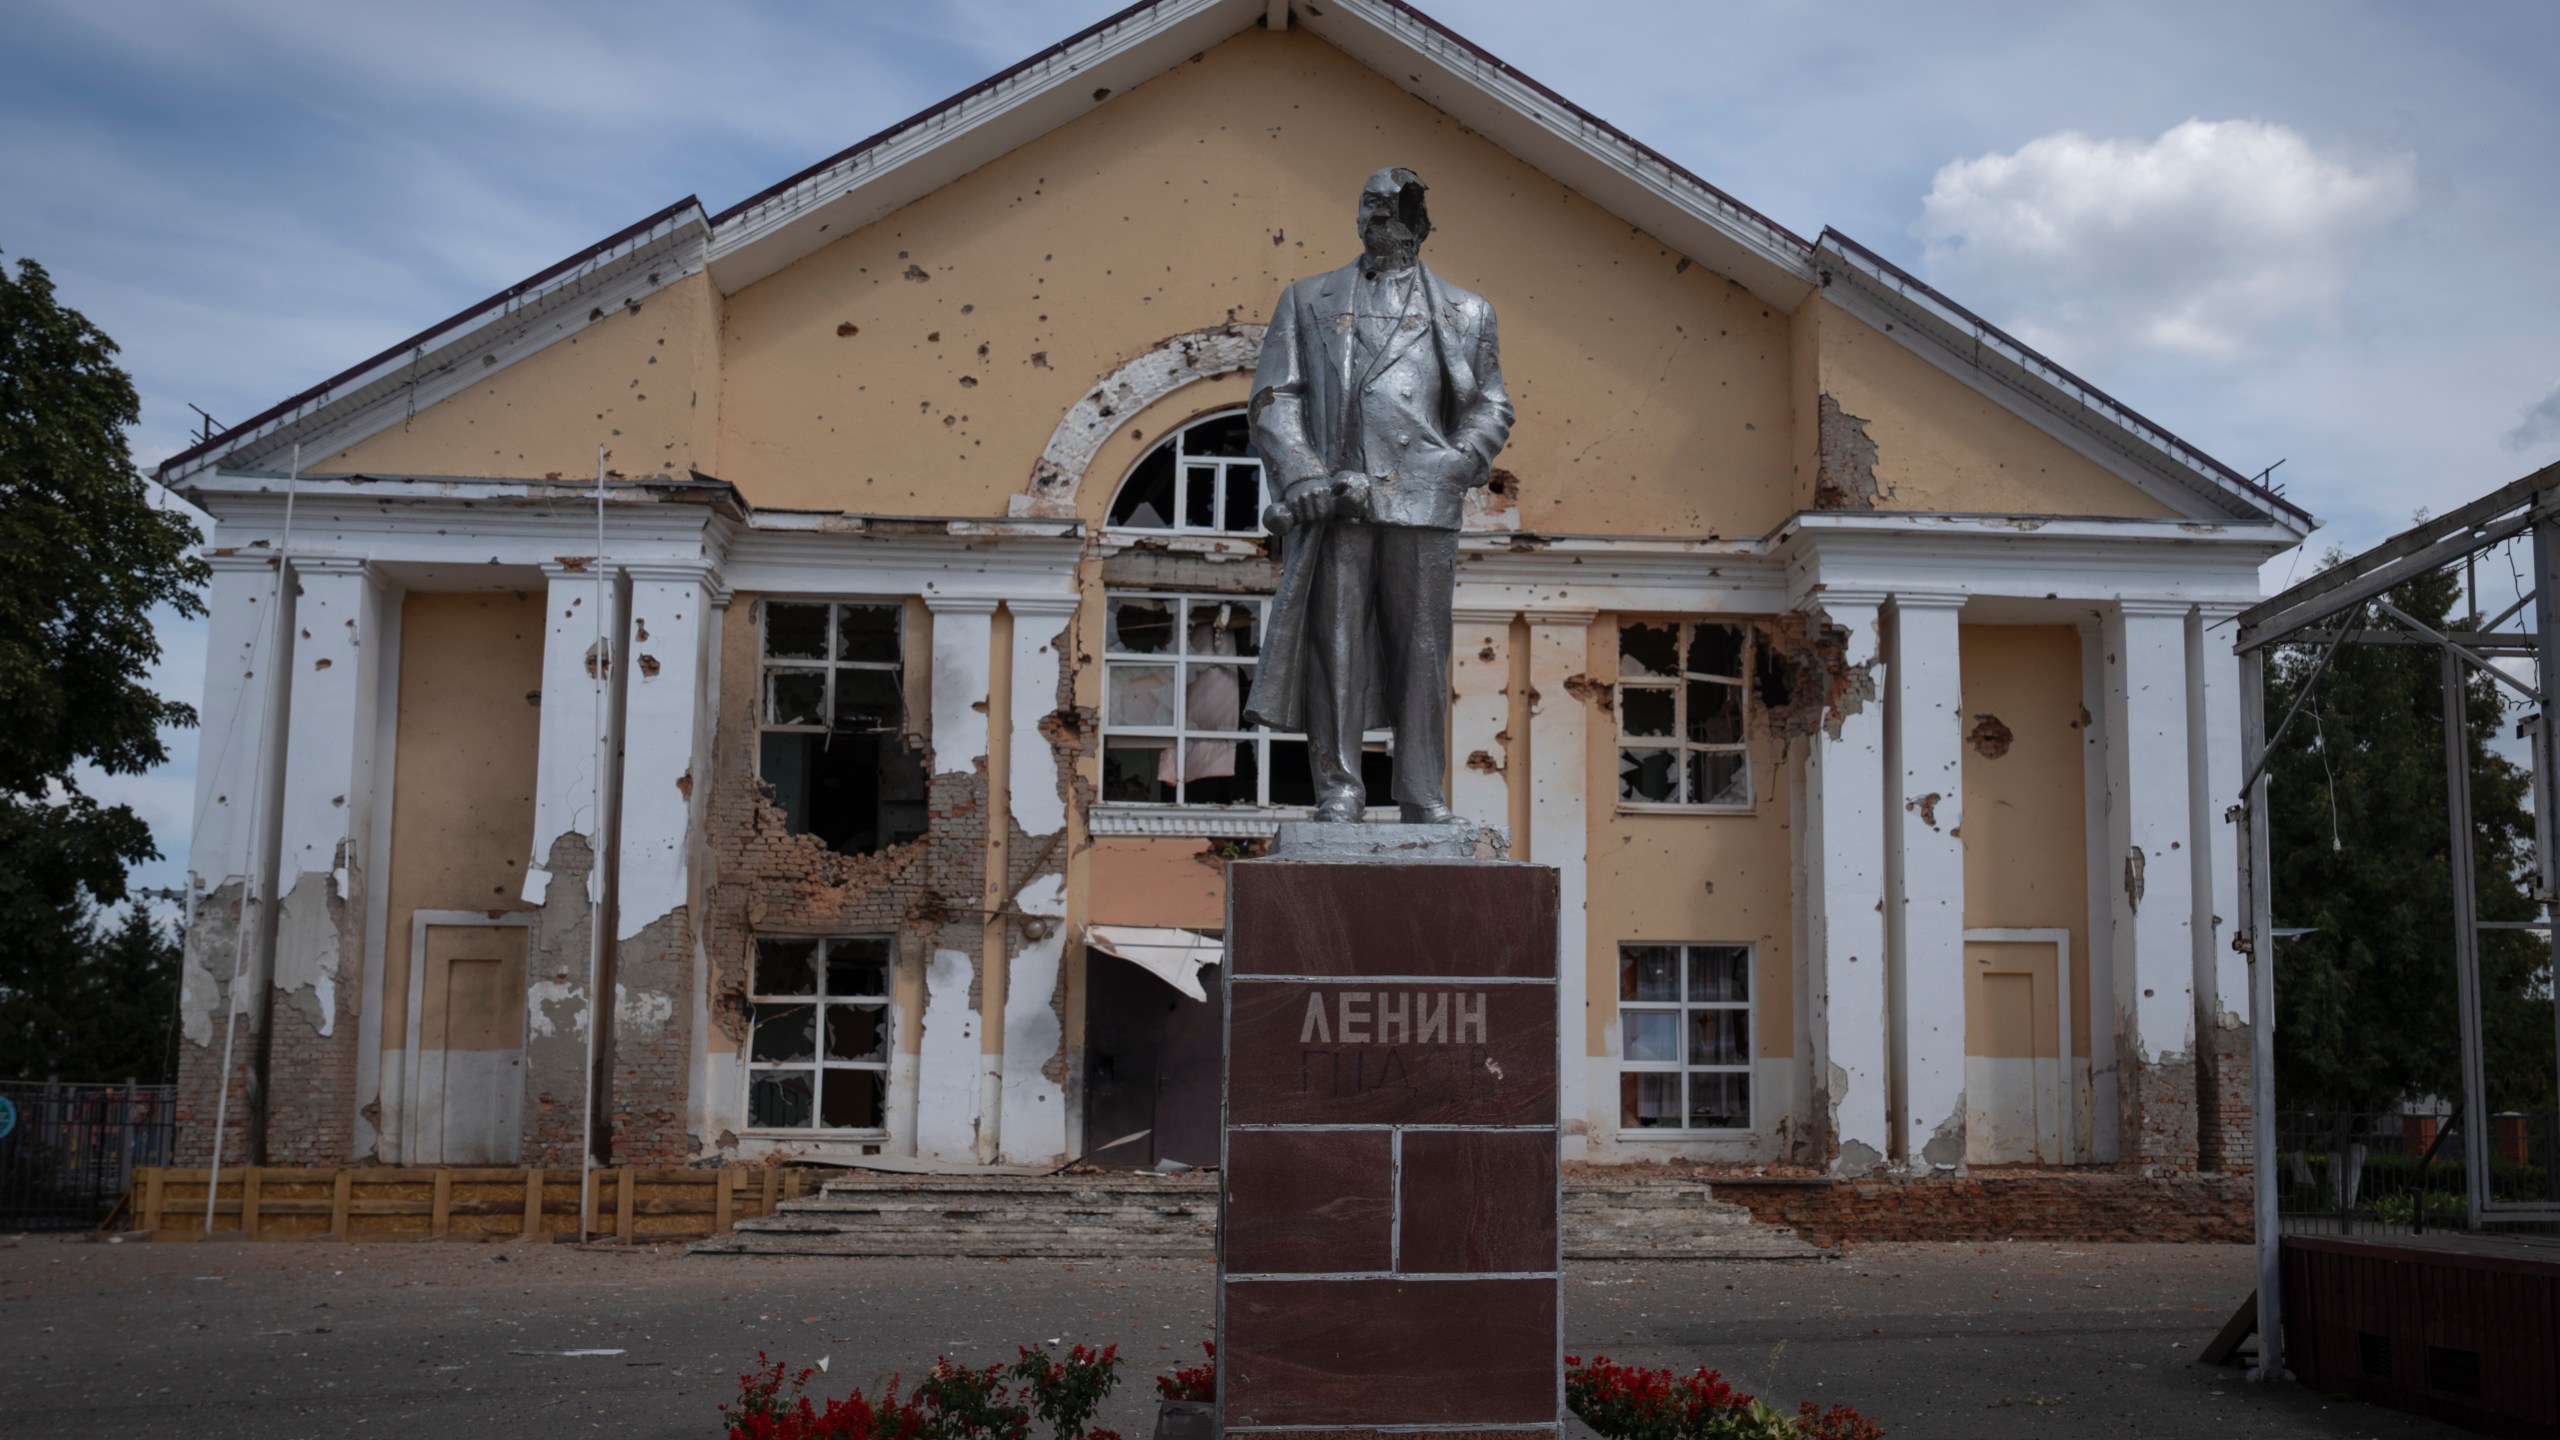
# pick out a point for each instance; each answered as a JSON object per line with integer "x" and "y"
{"x": 1151, "y": 1063}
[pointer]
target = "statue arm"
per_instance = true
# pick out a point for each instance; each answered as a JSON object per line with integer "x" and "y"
{"x": 1278, "y": 411}
{"x": 1486, "y": 422}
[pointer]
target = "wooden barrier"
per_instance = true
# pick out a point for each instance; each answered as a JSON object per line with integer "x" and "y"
{"x": 449, "y": 1203}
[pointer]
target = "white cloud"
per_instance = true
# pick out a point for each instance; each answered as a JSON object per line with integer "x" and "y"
{"x": 2215, "y": 237}
{"x": 2540, "y": 424}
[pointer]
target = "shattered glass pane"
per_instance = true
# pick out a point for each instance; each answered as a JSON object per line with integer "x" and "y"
{"x": 1138, "y": 627}
{"x": 858, "y": 967}
{"x": 1213, "y": 699}
{"x": 1222, "y": 435}
{"x": 1719, "y": 1037}
{"x": 867, "y": 632}
{"x": 1293, "y": 780}
{"x": 1130, "y": 771}
{"x": 778, "y": 1099}
{"x": 795, "y": 632}
{"x": 1200, "y": 497}
{"x": 1244, "y": 499}
{"x": 1716, "y": 650}
{"x": 785, "y": 1033}
{"x": 1648, "y": 775}
{"x": 1648, "y": 652}
{"x": 868, "y": 700}
{"x": 786, "y": 967}
{"x": 1720, "y": 1102}
{"x": 1719, "y": 972}
{"x": 851, "y": 1100}
{"x": 1719, "y": 777}
{"x": 1652, "y": 1036}
{"x": 1139, "y": 695}
{"x": 794, "y": 697}
{"x": 859, "y": 1032}
{"x": 1649, "y": 972}
{"x": 1646, "y": 710}
{"x": 1145, "y": 501}
{"x": 1715, "y": 713}
{"x": 1649, "y": 1102}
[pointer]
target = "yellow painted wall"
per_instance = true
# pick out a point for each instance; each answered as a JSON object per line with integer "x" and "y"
{"x": 640, "y": 382}
{"x": 1656, "y": 397}
{"x": 1655, "y": 876}
{"x": 463, "y": 776}
{"x": 1146, "y": 881}
{"x": 2025, "y": 816}
{"x": 1940, "y": 445}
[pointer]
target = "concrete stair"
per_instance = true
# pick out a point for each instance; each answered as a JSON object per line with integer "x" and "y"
{"x": 1101, "y": 1216}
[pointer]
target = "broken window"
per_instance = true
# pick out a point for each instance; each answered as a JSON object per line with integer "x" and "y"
{"x": 835, "y": 748}
{"x": 1684, "y": 1023}
{"x": 818, "y": 1046}
{"x": 1176, "y": 670}
{"x": 1203, "y": 479}
{"x": 1682, "y": 700}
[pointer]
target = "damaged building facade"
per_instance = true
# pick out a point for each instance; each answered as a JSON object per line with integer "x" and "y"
{"x": 768, "y": 684}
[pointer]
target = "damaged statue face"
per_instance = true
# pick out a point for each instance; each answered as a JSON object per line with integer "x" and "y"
{"x": 1393, "y": 220}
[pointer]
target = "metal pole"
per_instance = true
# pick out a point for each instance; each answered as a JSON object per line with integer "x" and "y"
{"x": 257, "y": 864}
{"x": 601, "y": 664}
{"x": 2256, "y": 939}
{"x": 2466, "y": 934}
{"x": 2546, "y": 775}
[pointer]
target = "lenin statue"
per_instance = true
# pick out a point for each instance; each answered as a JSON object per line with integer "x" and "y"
{"x": 1377, "y": 404}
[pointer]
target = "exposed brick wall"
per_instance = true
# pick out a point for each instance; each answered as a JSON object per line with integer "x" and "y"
{"x": 2226, "y": 1106}
{"x": 2159, "y": 1113}
{"x": 205, "y": 1007}
{"x": 2078, "y": 1205}
{"x": 766, "y": 881}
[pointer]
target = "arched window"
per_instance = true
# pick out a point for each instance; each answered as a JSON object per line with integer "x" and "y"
{"x": 1203, "y": 479}
{"x": 1177, "y": 664}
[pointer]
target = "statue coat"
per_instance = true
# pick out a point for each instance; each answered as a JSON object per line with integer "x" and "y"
{"x": 1433, "y": 414}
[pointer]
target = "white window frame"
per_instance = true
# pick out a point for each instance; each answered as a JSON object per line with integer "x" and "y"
{"x": 1181, "y": 660}
{"x": 1748, "y": 1005}
{"x": 1223, "y": 525}
{"x": 768, "y": 664}
{"x": 1678, "y": 743}
{"x": 818, "y": 1063}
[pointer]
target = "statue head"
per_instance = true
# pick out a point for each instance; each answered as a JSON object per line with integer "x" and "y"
{"x": 1393, "y": 222}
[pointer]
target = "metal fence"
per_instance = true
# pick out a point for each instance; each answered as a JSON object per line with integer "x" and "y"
{"x": 2345, "y": 1173}
{"x": 70, "y": 1150}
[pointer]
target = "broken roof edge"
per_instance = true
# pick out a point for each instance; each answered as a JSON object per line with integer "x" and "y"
{"x": 2030, "y": 371}
{"x": 559, "y": 277}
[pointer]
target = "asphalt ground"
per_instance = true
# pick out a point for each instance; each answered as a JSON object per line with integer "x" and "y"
{"x": 281, "y": 1341}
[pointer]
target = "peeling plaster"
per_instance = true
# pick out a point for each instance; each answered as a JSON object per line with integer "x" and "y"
{"x": 1946, "y": 1146}
{"x": 1035, "y": 1106}
{"x": 311, "y": 923}
{"x": 2133, "y": 867}
{"x": 646, "y": 1012}
{"x": 947, "y": 1068}
{"x": 545, "y": 998}
{"x": 1845, "y": 477}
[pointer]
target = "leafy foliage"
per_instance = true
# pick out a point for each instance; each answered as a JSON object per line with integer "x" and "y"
{"x": 1197, "y": 1383}
{"x": 1630, "y": 1402}
{"x": 2360, "y": 840}
{"x": 89, "y": 558}
{"x": 93, "y": 1002}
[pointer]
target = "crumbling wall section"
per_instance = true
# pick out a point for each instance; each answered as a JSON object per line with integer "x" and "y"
{"x": 2227, "y": 1104}
{"x": 555, "y": 1032}
{"x": 2158, "y": 1097}
{"x": 652, "y": 1063}
{"x": 765, "y": 881}
{"x": 2093, "y": 1206}
{"x": 313, "y": 1023}
{"x": 204, "y": 993}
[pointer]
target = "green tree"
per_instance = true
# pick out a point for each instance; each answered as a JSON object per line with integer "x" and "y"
{"x": 2365, "y": 1003}
{"x": 102, "y": 1007}
{"x": 89, "y": 558}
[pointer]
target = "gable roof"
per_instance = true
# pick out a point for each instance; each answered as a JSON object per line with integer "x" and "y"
{"x": 885, "y": 172}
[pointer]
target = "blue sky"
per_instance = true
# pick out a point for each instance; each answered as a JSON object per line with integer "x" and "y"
{"x": 2317, "y": 233}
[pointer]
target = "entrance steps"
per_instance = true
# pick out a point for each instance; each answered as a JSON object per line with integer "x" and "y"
{"x": 1136, "y": 1214}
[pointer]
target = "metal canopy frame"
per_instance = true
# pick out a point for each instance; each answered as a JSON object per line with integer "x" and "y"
{"x": 2346, "y": 605}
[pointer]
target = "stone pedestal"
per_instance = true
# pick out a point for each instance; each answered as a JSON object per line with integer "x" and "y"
{"x": 1389, "y": 1250}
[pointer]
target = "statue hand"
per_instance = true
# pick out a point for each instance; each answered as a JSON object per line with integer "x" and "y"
{"x": 1312, "y": 502}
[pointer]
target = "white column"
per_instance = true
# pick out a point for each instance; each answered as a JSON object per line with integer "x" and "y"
{"x": 1925, "y": 903}
{"x": 238, "y": 678}
{"x": 2214, "y": 765}
{"x": 963, "y": 656}
{"x": 1034, "y": 1120}
{"x": 1844, "y": 846}
{"x": 2148, "y": 833}
{"x": 1038, "y": 805}
{"x": 1560, "y": 835}
{"x": 576, "y": 695}
{"x": 1480, "y": 715}
{"x": 664, "y": 755}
